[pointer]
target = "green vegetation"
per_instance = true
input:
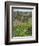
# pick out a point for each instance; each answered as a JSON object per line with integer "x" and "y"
{"x": 23, "y": 25}
{"x": 24, "y": 29}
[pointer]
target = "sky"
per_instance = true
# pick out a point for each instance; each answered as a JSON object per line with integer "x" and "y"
{"x": 23, "y": 10}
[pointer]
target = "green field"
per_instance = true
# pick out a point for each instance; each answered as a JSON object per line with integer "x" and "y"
{"x": 24, "y": 29}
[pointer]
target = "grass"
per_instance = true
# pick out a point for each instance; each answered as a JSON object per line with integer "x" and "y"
{"x": 24, "y": 29}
